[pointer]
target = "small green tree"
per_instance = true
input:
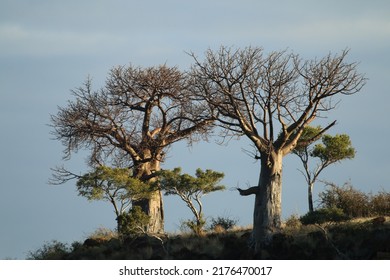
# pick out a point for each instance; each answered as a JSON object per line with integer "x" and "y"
{"x": 191, "y": 189}
{"x": 332, "y": 149}
{"x": 115, "y": 185}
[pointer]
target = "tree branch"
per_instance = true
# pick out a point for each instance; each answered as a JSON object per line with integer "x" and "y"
{"x": 61, "y": 175}
{"x": 249, "y": 191}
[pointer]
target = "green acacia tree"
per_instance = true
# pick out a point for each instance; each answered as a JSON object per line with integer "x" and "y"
{"x": 191, "y": 189}
{"x": 115, "y": 185}
{"x": 332, "y": 149}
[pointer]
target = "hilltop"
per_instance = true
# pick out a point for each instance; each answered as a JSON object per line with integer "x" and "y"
{"x": 355, "y": 239}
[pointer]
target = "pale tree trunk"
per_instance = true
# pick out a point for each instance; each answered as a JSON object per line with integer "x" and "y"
{"x": 310, "y": 196}
{"x": 268, "y": 208}
{"x": 152, "y": 206}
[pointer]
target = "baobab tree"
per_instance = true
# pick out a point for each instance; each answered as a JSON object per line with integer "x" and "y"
{"x": 131, "y": 122}
{"x": 271, "y": 99}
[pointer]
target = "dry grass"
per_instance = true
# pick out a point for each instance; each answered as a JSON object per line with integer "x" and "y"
{"x": 103, "y": 234}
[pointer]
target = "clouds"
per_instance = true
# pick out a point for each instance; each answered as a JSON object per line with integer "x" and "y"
{"x": 88, "y": 28}
{"x": 24, "y": 41}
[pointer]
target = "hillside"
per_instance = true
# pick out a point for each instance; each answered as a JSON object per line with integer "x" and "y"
{"x": 357, "y": 239}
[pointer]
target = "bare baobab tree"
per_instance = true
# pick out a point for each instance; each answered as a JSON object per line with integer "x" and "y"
{"x": 131, "y": 122}
{"x": 271, "y": 99}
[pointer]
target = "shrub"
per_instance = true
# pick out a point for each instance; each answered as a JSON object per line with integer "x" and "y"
{"x": 134, "y": 222}
{"x": 222, "y": 222}
{"x": 354, "y": 203}
{"x": 293, "y": 222}
{"x": 53, "y": 250}
{"x": 103, "y": 234}
{"x": 195, "y": 226}
{"x": 324, "y": 215}
{"x": 380, "y": 203}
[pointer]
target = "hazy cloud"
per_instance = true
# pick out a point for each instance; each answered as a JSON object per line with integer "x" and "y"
{"x": 20, "y": 40}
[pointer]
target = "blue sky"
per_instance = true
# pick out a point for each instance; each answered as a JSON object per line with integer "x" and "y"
{"x": 48, "y": 48}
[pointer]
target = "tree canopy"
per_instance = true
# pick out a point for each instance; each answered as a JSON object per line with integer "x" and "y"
{"x": 191, "y": 189}
{"x": 271, "y": 98}
{"x": 133, "y": 118}
{"x": 115, "y": 185}
{"x": 131, "y": 122}
{"x": 332, "y": 149}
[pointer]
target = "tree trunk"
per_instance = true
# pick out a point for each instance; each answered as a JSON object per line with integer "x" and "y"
{"x": 267, "y": 210}
{"x": 152, "y": 206}
{"x": 310, "y": 196}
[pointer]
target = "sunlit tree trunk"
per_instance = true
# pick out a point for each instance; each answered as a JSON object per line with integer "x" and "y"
{"x": 267, "y": 210}
{"x": 310, "y": 196}
{"x": 152, "y": 206}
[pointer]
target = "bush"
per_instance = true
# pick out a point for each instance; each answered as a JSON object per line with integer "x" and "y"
{"x": 194, "y": 226}
{"x": 324, "y": 215}
{"x": 222, "y": 222}
{"x": 380, "y": 204}
{"x": 134, "y": 222}
{"x": 293, "y": 222}
{"x": 103, "y": 234}
{"x": 53, "y": 250}
{"x": 354, "y": 203}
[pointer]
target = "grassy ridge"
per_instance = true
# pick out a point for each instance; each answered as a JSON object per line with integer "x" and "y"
{"x": 356, "y": 239}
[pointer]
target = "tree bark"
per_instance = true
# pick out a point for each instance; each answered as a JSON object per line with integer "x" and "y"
{"x": 152, "y": 206}
{"x": 267, "y": 210}
{"x": 310, "y": 196}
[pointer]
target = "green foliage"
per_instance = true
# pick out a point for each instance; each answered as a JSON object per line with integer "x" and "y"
{"x": 53, "y": 250}
{"x": 115, "y": 185}
{"x": 224, "y": 222}
{"x": 309, "y": 135}
{"x": 134, "y": 222}
{"x": 353, "y": 202}
{"x": 334, "y": 148}
{"x": 105, "y": 183}
{"x": 195, "y": 225}
{"x": 173, "y": 182}
{"x": 324, "y": 215}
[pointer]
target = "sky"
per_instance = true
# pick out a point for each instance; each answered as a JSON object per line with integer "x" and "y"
{"x": 48, "y": 48}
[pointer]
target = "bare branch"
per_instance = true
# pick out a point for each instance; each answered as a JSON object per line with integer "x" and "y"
{"x": 249, "y": 191}
{"x": 138, "y": 114}
{"x": 61, "y": 175}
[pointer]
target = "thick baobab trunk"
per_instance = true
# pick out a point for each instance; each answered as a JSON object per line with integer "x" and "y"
{"x": 152, "y": 206}
{"x": 268, "y": 208}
